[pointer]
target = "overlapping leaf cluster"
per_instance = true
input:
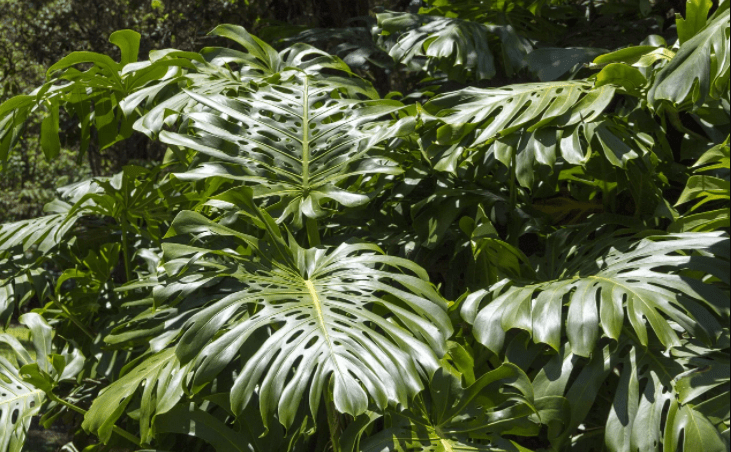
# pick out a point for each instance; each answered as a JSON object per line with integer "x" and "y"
{"x": 315, "y": 266}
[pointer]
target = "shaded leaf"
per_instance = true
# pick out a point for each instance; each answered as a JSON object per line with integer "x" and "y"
{"x": 700, "y": 68}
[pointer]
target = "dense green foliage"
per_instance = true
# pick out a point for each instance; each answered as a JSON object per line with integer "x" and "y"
{"x": 451, "y": 229}
{"x": 34, "y": 34}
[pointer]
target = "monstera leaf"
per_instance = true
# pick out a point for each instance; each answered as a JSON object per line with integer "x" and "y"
{"x": 112, "y": 97}
{"x": 217, "y": 70}
{"x": 83, "y": 210}
{"x": 300, "y": 318}
{"x": 74, "y": 201}
{"x": 452, "y": 418}
{"x": 499, "y": 111}
{"x": 24, "y": 246}
{"x": 294, "y": 134}
{"x": 532, "y": 124}
{"x": 44, "y": 232}
{"x": 261, "y": 60}
{"x": 293, "y": 139}
{"x": 707, "y": 188}
{"x": 700, "y": 69}
{"x": 19, "y": 401}
{"x": 161, "y": 378}
{"x": 460, "y": 48}
{"x": 21, "y": 393}
{"x": 355, "y": 45}
{"x": 681, "y": 390}
{"x": 605, "y": 283}
{"x": 705, "y": 386}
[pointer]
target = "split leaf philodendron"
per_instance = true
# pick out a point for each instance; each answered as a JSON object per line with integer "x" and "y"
{"x": 317, "y": 265}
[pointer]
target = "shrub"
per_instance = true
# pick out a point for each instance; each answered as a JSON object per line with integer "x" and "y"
{"x": 535, "y": 266}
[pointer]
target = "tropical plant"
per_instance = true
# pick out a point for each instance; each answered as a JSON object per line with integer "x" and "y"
{"x": 316, "y": 265}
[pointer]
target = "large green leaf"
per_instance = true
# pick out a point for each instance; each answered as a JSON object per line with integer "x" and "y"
{"x": 24, "y": 247}
{"x": 44, "y": 232}
{"x": 457, "y": 47}
{"x": 707, "y": 188}
{"x": 299, "y": 317}
{"x": 536, "y": 123}
{"x": 161, "y": 378}
{"x": 696, "y": 12}
{"x": 644, "y": 390}
{"x": 19, "y": 401}
{"x": 606, "y": 283}
{"x": 93, "y": 96}
{"x": 113, "y": 96}
{"x": 128, "y": 42}
{"x": 355, "y": 45}
{"x": 700, "y": 69}
{"x": 21, "y": 394}
{"x": 262, "y": 60}
{"x": 689, "y": 429}
{"x": 645, "y": 395}
{"x": 453, "y": 418}
{"x": 83, "y": 210}
{"x": 218, "y": 70}
{"x": 499, "y": 111}
{"x": 293, "y": 139}
{"x": 704, "y": 387}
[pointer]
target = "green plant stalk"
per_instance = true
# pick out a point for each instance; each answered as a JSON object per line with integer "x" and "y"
{"x": 333, "y": 423}
{"x": 512, "y": 232}
{"x": 606, "y": 198}
{"x": 125, "y": 248}
{"x": 118, "y": 430}
{"x": 90, "y": 334}
{"x": 313, "y": 232}
{"x": 638, "y": 207}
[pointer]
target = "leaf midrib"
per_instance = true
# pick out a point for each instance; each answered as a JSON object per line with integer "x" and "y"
{"x": 306, "y": 141}
{"x": 321, "y": 321}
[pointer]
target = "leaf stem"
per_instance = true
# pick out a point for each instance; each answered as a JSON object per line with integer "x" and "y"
{"x": 606, "y": 198}
{"x": 333, "y": 423}
{"x": 90, "y": 334}
{"x": 118, "y": 430}
{"x": 512, "y": 230}
{"x": 313, "y": 232}
{"x": 125, "y": 248}
{"x": 638, "y": 206}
